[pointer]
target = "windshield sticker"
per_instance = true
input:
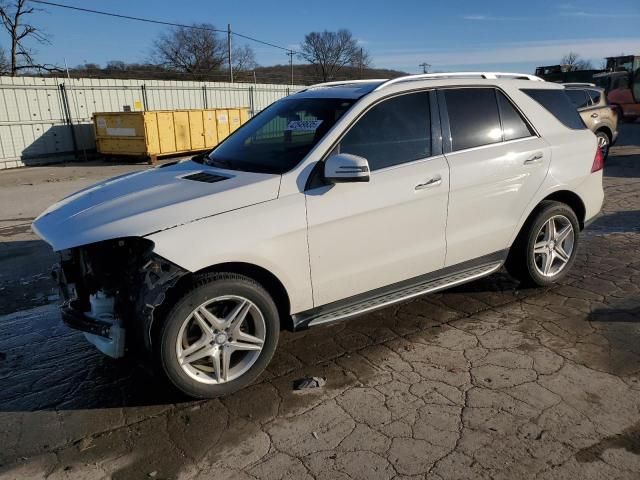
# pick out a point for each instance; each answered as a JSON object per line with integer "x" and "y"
{"x": 303, "y": 125}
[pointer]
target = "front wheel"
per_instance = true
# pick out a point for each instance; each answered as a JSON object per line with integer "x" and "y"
{"x": 546, "y": 247}
{"x": 219, "y": 336}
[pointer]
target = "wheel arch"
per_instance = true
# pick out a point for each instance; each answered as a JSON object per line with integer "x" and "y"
{"x": 264, "y": 277}
{"x": 567, "y": 197}
{"x": 571, "y": 199}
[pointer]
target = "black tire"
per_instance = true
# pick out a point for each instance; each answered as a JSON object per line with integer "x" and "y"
{"x": 601, "y": 134}
{"x": 207, "y": 287}
{"x": 521, "y": 261}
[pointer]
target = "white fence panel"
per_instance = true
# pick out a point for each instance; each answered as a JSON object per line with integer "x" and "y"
{"x": 35, "y": 112}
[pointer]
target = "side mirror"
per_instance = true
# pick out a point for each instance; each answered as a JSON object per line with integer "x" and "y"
{"x": 344, "y": 167}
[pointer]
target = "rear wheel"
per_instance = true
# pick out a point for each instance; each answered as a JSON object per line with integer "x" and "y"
{"x": 604, "y": 142}
{"x": 219, "y": 336}
{"x": 546, "y": 247}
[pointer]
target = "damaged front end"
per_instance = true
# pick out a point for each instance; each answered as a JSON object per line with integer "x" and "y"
{"x": 111, "y": 290}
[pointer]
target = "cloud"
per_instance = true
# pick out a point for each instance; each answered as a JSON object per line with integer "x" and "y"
{"x": 492, "y": 18}
{"x": 600, "y": 15}
{"x": 538, "y": 52}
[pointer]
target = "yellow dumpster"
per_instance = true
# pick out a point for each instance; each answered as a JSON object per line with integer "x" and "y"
{"x": 164, "y": 132}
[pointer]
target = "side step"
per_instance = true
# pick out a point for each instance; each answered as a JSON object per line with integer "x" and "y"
{"x": 394, "y": 296}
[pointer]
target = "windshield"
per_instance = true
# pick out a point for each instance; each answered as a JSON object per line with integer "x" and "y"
{"x": 280, "y": 136}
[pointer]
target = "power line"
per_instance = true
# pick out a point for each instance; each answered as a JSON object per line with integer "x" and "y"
{"x": 158, "y": 22}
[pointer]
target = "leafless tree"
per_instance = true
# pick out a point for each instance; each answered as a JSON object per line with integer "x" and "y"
{"x": 13, "y": 15}
{"x": 328, "y": 52}
{"x": 198, "y": 50}
{"x": 4, "y": 63}
{"x": 243, "y": 59}
{"x": 361, "y": 59}
{"x": 573, "y": 61}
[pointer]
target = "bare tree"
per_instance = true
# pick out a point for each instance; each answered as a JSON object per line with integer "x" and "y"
{"x": 573, "y": 62}
{"x": 328, "y": 52}
{"x": 243, "y": 59}
{"x": 361, "y": 60}
{"x": 197, "y": 50}
{"x": 13, "y": 16}
{"x": 4, "y": 63}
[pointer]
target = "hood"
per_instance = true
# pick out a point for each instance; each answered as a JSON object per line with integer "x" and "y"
{"x": 140, "y": 203}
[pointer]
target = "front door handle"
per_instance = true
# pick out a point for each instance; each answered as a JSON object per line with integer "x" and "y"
{"x": 594, "y": 115}
{"x": 535, "y": 158}
{"x": 432, "y": 182}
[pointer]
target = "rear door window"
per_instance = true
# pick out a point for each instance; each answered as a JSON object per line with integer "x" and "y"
{"x": 558, "y": 104}
{"x": 595, "y": 96}
{"x": 473, "y": 117}
{"x": 514, "y": 126}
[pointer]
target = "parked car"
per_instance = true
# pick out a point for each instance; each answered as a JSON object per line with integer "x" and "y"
{"x": 340, "y": 199}
{"x": 591, "y": 102}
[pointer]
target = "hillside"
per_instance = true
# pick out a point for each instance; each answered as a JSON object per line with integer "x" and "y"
{"x": 280, "y": 74}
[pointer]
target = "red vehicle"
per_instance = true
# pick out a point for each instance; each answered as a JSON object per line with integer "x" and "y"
{"x": 622, "y": 84}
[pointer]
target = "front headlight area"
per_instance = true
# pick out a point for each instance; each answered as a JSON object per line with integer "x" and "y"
{"x": 108, "y": 286}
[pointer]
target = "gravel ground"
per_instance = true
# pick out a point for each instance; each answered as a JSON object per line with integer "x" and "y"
{"x": 486, "y": 380}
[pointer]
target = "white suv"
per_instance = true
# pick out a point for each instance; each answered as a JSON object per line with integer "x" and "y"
{"x": 340, "y": 199}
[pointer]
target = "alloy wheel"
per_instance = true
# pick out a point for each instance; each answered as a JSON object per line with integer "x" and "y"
{"x": 554, "y": 245}
{"x": 603, "y": 143}
{"x": 221, "y": 339}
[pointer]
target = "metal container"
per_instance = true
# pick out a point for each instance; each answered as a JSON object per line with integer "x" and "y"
{"x": 152, "y": 134}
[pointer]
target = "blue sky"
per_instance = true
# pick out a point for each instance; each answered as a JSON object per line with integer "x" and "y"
{"x": 449, "y": 35}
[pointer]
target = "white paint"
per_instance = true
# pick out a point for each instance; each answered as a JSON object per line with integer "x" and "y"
{"x": 121, "y": 132}
{"x": 351, "y": 237}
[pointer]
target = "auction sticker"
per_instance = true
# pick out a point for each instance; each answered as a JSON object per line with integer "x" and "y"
{"x": 304, "y": 125}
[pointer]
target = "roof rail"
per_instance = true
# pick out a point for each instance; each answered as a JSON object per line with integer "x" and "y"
{"x": 485, "y": 75}
{"x": 342, "y": 82}
{"x": 578, "y": 84}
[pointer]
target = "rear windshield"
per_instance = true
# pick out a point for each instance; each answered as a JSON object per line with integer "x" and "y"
{"x": 280, "y": 136}
{"x": 558, "y": 104}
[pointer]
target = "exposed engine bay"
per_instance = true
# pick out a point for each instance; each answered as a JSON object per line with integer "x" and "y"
{"x": 111, "y": 290}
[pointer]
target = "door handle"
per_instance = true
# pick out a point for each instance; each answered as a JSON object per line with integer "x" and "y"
{"x": 594, "y": 115}
{"x": 432, "y": 182}
{"x": 535, "y": 158}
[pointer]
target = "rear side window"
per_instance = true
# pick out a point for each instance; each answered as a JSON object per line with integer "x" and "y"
{"x": 558, "y": 104}
{"x": 578, "y": 97}
{"x": 595, "y": 96}
{"x": 393, "y": 132}
{"x": 513, "y": 125}
{"x": 473, "y": 117}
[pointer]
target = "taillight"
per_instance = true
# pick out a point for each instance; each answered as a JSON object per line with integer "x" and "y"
{"x": 598, "y": 161}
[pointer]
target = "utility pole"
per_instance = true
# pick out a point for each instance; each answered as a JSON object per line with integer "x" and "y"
{"x": 290, "y": 53}
{"x": 229, "y": 49}
{"x": 425, "y": 67}
{"x": 361, "y": 61}
{"x": 255, "y": 82}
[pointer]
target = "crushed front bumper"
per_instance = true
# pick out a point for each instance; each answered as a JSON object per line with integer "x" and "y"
{"x": 106, "y": 305}
{"x": 106, "y": 336}
{"x": 78, "y": 320}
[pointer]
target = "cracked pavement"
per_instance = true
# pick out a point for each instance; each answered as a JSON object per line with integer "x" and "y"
{"x": 486, "y": 380}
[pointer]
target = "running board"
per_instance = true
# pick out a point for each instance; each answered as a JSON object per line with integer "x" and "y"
{"x": 348, "y": 309}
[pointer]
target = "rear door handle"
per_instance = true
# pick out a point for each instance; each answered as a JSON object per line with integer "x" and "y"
{"x": 432, "y": 182}
{"x": 594, "y": 115}
{"x": 535, "y": 158}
